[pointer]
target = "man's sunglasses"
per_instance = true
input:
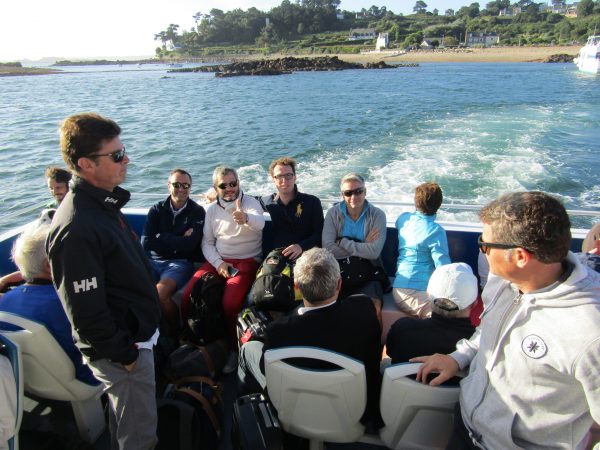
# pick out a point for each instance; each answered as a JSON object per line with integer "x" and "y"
{"x": 350, "y": 192}
{"x": 117, "y": 156}
{"x": 485, "y": 246}
{"x": 231, "y": 184}
{"x": 178, "y": 185}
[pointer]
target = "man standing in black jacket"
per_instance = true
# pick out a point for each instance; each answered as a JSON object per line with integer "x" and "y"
{"x": 104, "y": 279}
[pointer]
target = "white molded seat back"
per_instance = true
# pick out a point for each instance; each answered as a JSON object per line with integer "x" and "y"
{"x": 321, "y": 405}
{"x": 416, "y": 416}
{"x": 13, "y": 354}
{"x": 49, "y": 373}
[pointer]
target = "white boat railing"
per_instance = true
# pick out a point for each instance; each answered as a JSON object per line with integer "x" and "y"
{"x": 145, "y": 199}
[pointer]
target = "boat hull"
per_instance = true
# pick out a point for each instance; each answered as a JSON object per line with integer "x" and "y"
{"x": 588, "y": 60}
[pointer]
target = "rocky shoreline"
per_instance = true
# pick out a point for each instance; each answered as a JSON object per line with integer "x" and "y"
{"x": 287, "y": 65}
{"x": 560, "y": 58}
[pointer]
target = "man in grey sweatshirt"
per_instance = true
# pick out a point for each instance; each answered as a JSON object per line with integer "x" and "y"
{"x": 534, "y": 361}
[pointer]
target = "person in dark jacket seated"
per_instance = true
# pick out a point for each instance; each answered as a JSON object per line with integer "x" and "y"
{"x": 297, "y": 217}
{"x": 350, "y": 328}
{"x": 452, "y": 290}
{"x": 37, "y": 299}
{"x": 173, "y": 234}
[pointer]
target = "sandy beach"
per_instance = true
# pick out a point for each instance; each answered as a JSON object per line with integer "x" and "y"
{"x": 496, "y": 54}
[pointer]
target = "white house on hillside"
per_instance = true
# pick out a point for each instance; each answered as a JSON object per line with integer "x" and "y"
{"x": 361, "y": 33}
{"x": 510, "y": 11}
{"x": 171, "y": 46}
{"x": 428, "y": 42}
{"x": 482, "y": 39}
{"x": 383, "y": 41}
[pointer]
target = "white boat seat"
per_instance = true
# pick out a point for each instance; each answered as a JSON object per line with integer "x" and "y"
{"x": 49, "y": 373}
{"x": 416, "y": 416}
{"x": 321, "y": 405}
{"x": 11, "y": 351}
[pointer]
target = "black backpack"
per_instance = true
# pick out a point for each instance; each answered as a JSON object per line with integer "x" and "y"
{"x": 190, "y": 415}
{"x": 191, "y": 360}
{"x": 206, "y": 321}
{"x": 273, "y": 288}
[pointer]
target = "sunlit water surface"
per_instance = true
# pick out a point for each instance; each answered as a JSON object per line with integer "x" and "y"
{"x": 477, "y": 129}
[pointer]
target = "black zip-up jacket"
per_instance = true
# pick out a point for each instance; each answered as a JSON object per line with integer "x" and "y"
{"x": 102, "y": 274}
{"x": 164, "y": 236}
{"x": 299, "y": 222}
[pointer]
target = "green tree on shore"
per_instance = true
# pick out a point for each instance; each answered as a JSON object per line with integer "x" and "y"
{"x": 585, "y": 8}
{"x": 420, "y": 7}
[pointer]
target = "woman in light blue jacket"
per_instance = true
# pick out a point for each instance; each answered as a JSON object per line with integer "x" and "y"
{"x": 422, "y": 246}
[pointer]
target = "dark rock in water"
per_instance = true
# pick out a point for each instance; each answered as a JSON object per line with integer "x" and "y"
{"x": 281, "y": 66}
{"x": 239, "y": 73}
{"x": 378, "y": 65}
{"x": 559, "y": 58}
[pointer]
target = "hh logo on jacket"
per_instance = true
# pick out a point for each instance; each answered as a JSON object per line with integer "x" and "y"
{"x": 85, "y": 285}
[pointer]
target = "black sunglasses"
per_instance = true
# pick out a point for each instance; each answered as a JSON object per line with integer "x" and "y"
{"x": 117, "y": 156}
{"x": 350, "y": 192}
{"x": 484, "y": 246}
{"x": 230, "y": 184}
{"x": 178, "y": 185}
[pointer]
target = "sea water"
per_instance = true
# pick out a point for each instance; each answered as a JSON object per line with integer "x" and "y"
{"x": 478, "y": 129}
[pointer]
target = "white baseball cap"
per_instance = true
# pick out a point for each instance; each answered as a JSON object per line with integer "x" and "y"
{"x": 455, "y": 282}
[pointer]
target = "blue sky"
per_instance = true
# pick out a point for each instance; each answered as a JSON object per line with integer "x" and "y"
{"x": 32, "y": 29}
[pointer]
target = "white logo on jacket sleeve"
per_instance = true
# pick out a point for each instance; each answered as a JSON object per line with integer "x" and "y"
{"x": 85, "y": 285}
{"x": 534, "y": 346}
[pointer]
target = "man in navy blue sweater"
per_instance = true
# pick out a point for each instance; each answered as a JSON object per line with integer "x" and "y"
{"x": 297, "y": 218}
{"x": 173, "y": 234}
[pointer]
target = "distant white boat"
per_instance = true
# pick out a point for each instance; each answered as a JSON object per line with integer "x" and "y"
{"x": 588, "y": 59}
{"x": 175, "y": 65}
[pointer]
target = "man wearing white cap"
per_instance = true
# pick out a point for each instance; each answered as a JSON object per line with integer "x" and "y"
{"x": 452, "y": 290}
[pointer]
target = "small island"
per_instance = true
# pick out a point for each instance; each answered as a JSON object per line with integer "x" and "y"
{"x": 287, "y": 65}
{"x": 16, "y": 69}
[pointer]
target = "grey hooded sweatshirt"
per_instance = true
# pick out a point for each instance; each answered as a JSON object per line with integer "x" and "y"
{"x": 534, "y": 376}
